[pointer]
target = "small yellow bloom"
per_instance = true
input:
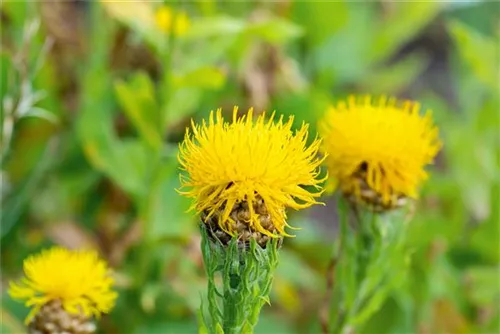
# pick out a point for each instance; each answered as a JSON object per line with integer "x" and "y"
{"x": 383, "y": 146}
{"x": 78, "y": 278}
{"x": 165, "y": 17}
{"x": 261, "y": 163}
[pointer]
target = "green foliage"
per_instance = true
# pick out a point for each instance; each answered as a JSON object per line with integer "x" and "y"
{"x": 234, "y": 304}
{"x": 137, "y": 98}
{"x": 404, "y": 22}
{"x": 484, "y": 63}
{"x": 371, "y": 262}
{"x": 321, "y": 19}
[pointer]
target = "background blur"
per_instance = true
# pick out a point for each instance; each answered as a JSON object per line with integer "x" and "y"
{"x": 96, "y": 96}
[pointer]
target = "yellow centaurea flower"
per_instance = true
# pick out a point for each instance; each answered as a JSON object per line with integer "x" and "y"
{"x": 245, "y": 172}
{"x": 169, "y": 21}
{"x": 377, "y": 151}
{"x": 78, "y": 279}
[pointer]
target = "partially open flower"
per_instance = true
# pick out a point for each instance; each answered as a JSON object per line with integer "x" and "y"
{"x": 65, "y": 289}
{"x": 377, "y": 151}
{"x": 244, "y": 174}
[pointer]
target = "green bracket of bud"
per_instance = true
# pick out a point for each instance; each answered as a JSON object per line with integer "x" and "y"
{"x": 239, "y": 281}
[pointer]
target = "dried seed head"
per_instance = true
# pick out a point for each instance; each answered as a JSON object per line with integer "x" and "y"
{"x": 53, "y": 319}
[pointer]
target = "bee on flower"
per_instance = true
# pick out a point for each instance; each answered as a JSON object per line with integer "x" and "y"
{"x": 65, "y": 289}
{"x": 242, "y": 175}
{"x": 377, "y": 150}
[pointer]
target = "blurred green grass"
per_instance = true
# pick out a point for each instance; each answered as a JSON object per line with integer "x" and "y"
{"x": 95, "y": 98}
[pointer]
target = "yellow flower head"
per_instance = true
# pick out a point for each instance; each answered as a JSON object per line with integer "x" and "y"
{"x": 248, "y": 162}
{"x": 78, "y": 278}
{"x": 383, "y": 146}
{"x": 165, "y": 18}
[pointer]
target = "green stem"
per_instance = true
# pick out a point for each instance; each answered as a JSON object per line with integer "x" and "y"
{"x": 231, "y": 310}
{"x": 147, "y": 215}
{"x": 247, "y": 273}
{"x": 339, "y": 307}
{"x": 381, "y": 261}
{"x": 352, "y": 260}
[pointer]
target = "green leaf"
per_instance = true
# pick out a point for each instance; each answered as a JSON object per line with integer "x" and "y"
{"x": 169, "y": 209}
{"x": 126, "y": 162}
{"x": 395, "y": 275}
{"x": 215, "y": 26}
{"x": 486, "y": 236}
{"x": 208, "y": 77}
{"x": 132, "y": 161}
{"x": 320, "y": 19}
{"x": 403, "y": 22}
{"x": 9, "y": 324}
{"x": 202, "y": 327}
{"x": 219, "y": 329}
{"x": 15, "y": 204}
{"x": 275, "y": 30}
{"x": 17, "y": 11}
{"x": 392, "y": 318}
{"x": 396, "y": 77}
{"x": 478, "y": 51}
{"x": 5, "y": 63}
{"x": 182, "y": 103}
{"x": 343, "y": 56}
{"x": 482, "y": 285}
{"x": 137, "y": 98}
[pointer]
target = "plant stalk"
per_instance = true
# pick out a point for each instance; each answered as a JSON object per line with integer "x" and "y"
{"x": 231, "y": 310}
{"x": 247, "y": 272}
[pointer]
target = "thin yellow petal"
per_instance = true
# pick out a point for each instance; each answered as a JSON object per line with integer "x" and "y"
{"x": 386, "y": 136}
{"x": 226, "y": 163}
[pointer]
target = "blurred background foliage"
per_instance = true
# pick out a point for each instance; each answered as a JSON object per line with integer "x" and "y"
{"x": 95, "y": 97}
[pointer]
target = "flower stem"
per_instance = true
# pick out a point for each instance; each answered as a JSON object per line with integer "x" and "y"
{"x": 372, "y": 263}
{"x": 247, "y": 274}
{"x": 231, "y": 316}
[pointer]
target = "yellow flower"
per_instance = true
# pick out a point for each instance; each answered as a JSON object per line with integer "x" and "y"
{"x": 78, "y": 278}
{"x": 165, "y": 21}
{"x": 382, "y": 147}
{"x": 262, "y": 163}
